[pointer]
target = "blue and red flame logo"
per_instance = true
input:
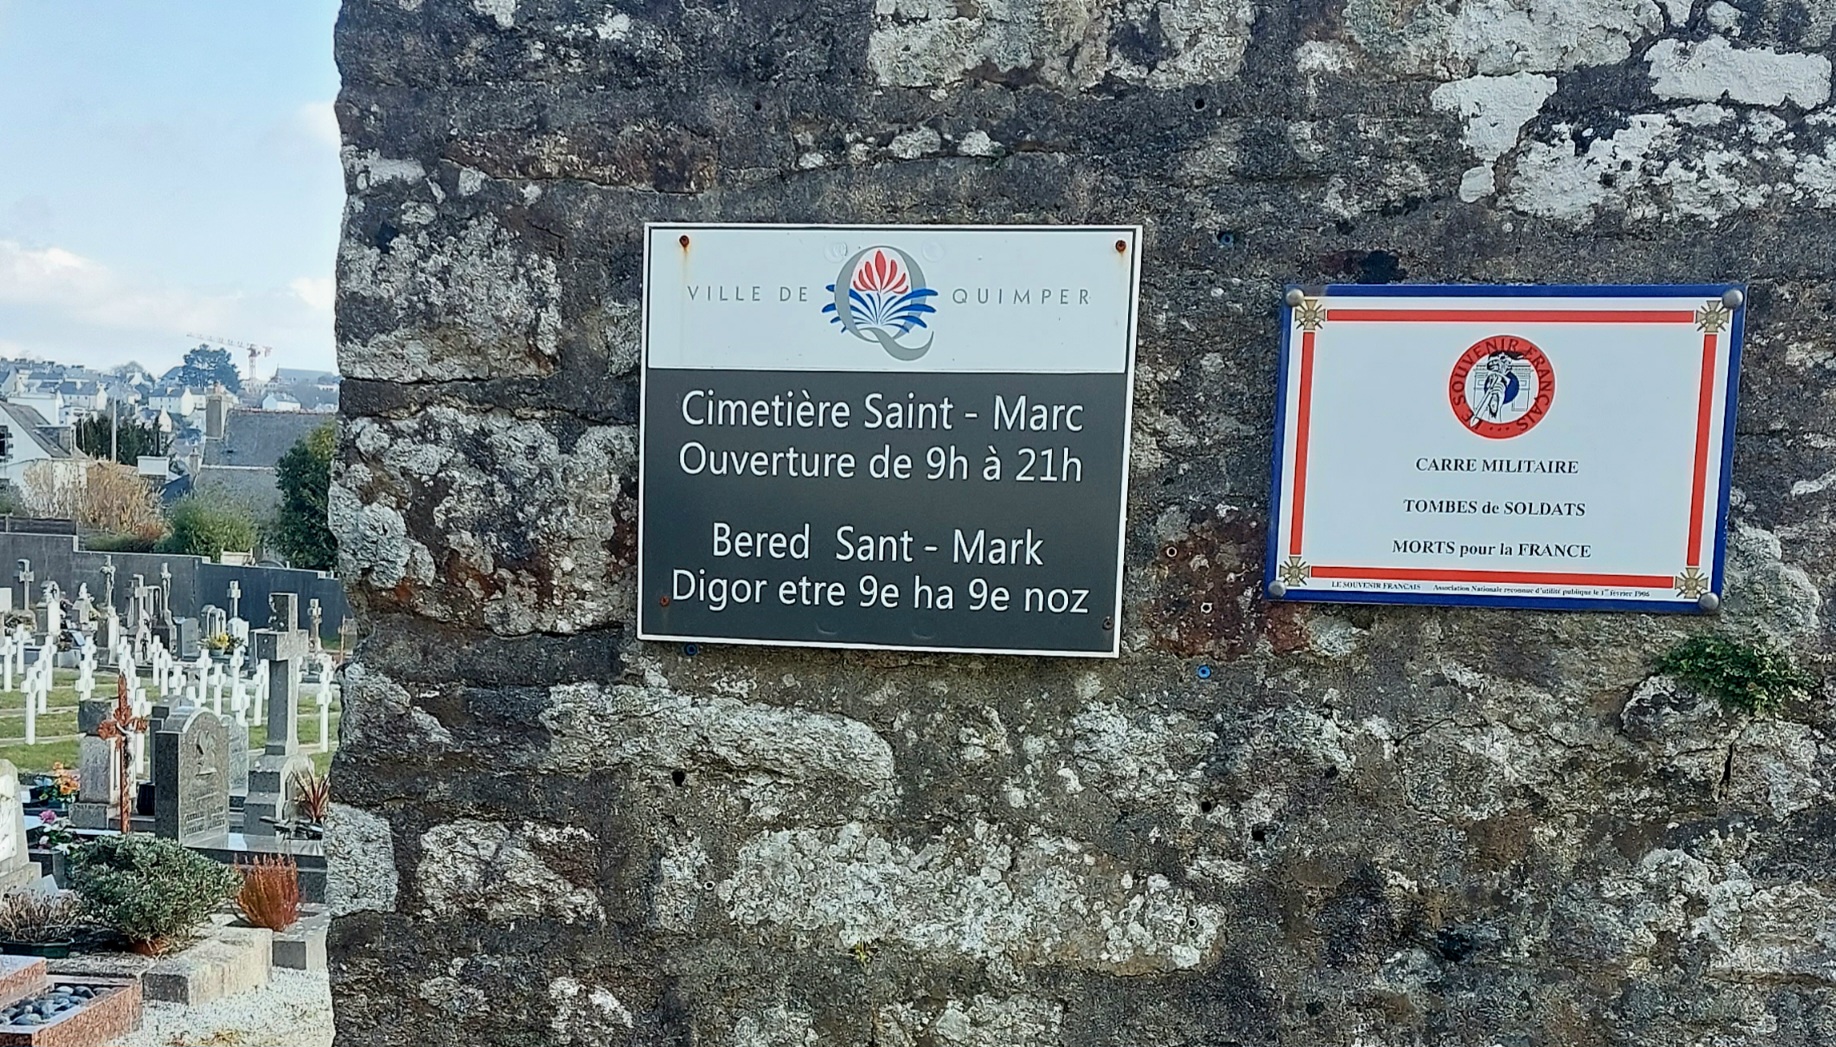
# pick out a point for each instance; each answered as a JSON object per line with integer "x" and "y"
{"x": 880, "y": 297}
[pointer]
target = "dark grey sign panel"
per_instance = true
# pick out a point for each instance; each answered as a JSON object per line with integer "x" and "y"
{"x": 905, "y": 505}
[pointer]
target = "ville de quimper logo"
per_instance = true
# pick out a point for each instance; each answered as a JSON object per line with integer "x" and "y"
{"x": 880, "y": 297}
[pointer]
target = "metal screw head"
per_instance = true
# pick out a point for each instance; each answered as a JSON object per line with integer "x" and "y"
{"x": 1277, "y": 589}
{"x": 1296, "y": 296}
{"x": 1709, "y": 602}
{"x": 1733, "y": 299}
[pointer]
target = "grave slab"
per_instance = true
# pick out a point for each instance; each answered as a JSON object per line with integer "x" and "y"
{"x": 302, "y": 946}
{"x": 110, "y": 1014}
{"x": 229, "y": 961}
{"x": 225, "y": 960}
{"x": 20, "y": 977}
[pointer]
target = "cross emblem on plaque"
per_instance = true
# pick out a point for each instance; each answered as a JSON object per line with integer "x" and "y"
{"x": 1692, "y": 583}
{"x": 1295, "y": 571}
{"x": 120, "y": 724}
{"x": 1310, "y": 314}
{"x": 1713, "y": 318}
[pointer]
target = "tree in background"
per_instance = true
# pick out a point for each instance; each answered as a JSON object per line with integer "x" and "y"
{"x": 205, "y": 366}
{"x": 134, "y": 438}
{"x": 117, "y": 501}
{"x": 103, "y": 498}
{"x": 52, "y": 488}
{"x": 303, "y": 474}
{"x": 205, "y": 525}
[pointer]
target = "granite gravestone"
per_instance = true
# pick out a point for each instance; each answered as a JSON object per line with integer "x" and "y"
{"x": 283, "y": 647}
{"x": 99, "y": 789}
{"x": 191, "y": 778}
{"x": 238, "y": 767}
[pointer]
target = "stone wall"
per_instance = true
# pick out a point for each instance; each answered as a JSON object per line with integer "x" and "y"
{"x": 1365, "y": 828}
{"x": 196, "y": 582}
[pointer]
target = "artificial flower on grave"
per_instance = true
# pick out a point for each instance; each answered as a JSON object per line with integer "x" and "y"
{"x": 56, "y": 833}
{"x": 64, "y": 783}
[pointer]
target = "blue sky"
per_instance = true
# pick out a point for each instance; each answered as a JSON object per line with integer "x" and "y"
{"x": 167, "y": 169}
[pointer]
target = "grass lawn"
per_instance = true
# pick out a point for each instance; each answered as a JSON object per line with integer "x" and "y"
{"x": 57, "y": 727}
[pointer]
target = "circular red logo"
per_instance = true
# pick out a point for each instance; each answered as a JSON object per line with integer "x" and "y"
{"x": 1501, "y": 387}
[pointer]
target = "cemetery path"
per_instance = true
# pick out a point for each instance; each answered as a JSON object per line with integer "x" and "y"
{"x": 292, "y": 1010}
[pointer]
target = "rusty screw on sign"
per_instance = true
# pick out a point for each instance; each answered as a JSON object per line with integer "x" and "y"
{"x": 662, "y": 601}
{"x": 1121, "y": 246}
{"x": 683, "y": 239}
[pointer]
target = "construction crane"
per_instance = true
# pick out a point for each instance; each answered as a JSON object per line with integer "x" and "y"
{"x": 252, "y": 349}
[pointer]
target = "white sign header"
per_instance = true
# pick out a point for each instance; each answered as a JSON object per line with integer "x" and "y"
{"x": 960, "y": 299}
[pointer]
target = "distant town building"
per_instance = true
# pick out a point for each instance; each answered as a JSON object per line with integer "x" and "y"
{"x": 240, "y": 459}
{"x": 48, "y": 403}
{"x": 179, "y": 401}
{"x": 29, "y": 440}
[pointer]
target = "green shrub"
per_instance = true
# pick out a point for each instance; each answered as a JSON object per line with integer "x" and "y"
{"x": 1748, "y": 677}
{"x": 154, "y": 892}
{"x": 205, "y": 525}
{"x": 119, "y": 543}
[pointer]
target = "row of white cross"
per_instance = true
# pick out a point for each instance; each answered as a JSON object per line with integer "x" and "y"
{"x": 191, "y": 681}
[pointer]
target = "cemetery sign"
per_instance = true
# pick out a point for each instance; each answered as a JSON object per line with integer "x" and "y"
{"x": 895, "y": 437}
{"x": 1553, "y": 447}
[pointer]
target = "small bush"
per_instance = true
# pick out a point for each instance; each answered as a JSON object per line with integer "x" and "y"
{"x": 312, "y": 794}
{"x": 1747, "y": 677}
{"x": 118, "y": 543}
{"x": 205, "y": 525}
{"x": 32, "y": 916}
{"x": 154, "y": 892}
{"x": 270, "y": 895}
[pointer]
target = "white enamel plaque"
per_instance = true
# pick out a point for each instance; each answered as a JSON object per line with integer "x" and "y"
{"x": 1554, "y": 447}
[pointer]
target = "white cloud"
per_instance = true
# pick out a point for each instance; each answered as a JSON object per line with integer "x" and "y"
{"x": 57, "y": 304}
{"x": 318, "y": 292}
{"x": 320, "y": 122}
{"x": 90, "y": 292}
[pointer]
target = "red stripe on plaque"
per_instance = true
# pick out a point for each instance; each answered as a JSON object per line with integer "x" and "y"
{"x": 1513, "y": 316}
{"x": 1302, "y": 418}
{"x": 1412, "y": 574}
{"x": 1698, "y": 490}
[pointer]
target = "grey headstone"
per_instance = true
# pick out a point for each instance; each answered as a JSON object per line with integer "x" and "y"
{"x": 238, "y": 734}
{"x": 283, "y": 712}
{"x": 273, "y": 795}
{"x": 98, "y": 770}
{"x": 92, "y": 711}
{"x": 185, "y": 638}
{"x": 191, "y": 778}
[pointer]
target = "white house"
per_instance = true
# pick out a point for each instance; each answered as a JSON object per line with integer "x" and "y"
{"x": 176, "y": 400}
{"x": 83, "y": 396}
{"x": 279, "y": 402}
{"x": 43, "y": 399}
{"x": 36, "y": 457}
